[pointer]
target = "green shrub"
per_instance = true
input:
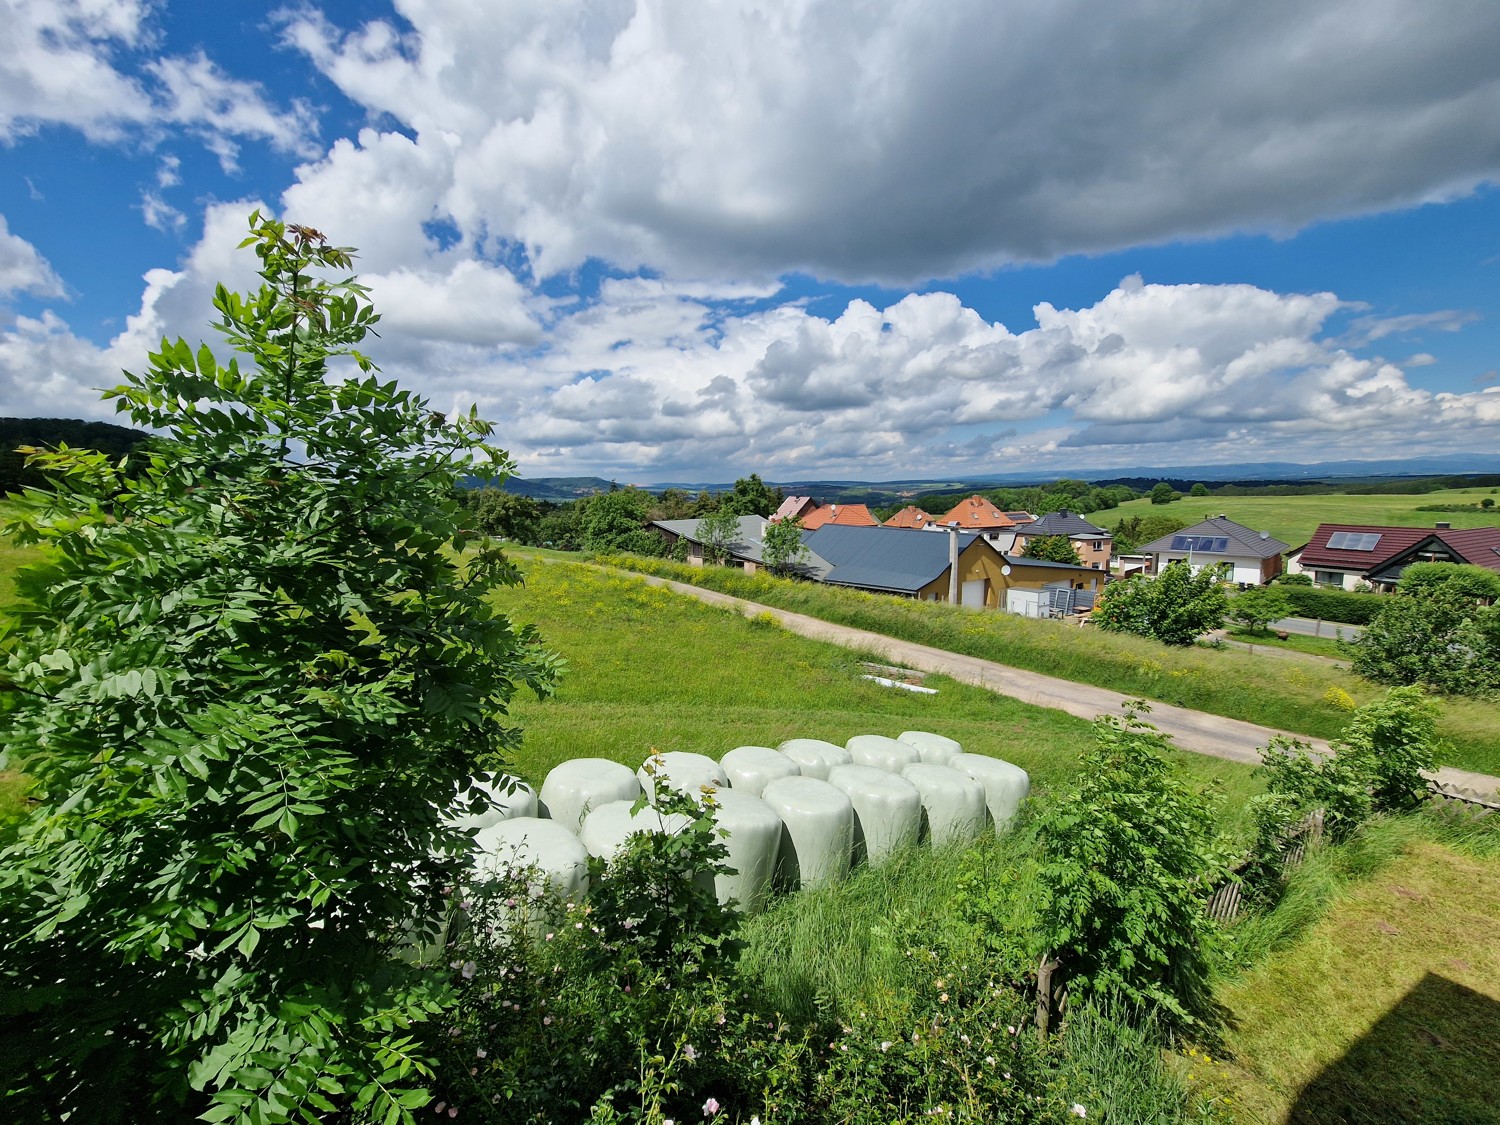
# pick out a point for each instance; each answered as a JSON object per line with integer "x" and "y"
{"x": 1333, "y": 605}
{"x": 1258, "y": 606}
{"x": 1437, "y": 636}
{"x": 1176, "y": 607}
{"x": 1472, "y": 581}
{"x": 245, "y": 683}
{"x": 1130, "y": 857}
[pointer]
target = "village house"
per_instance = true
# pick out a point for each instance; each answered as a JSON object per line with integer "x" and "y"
{"x": 1252, "y": 557}
{"x": 1093, "y": 544}
{"x": 1346, "y": 555}
{"x": 978, "y": 515}
{"x": 962, "y": 568}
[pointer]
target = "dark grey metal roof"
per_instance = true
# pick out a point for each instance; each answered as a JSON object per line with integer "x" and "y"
{"x": 747, "y": 542}
{"x": 1243, "y": 541}
{"x": 895, "y": 559}
{"x": 1066, "y": 523}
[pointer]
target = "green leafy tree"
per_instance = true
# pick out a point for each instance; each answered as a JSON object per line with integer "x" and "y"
{"x": 1258, "y": 606}
{"x": 1164, "y": 493}
{"x": 781, "y": 547}
{"x": 672, "y": 504}
{"x": 1437, "y": 636}
{"x": 751, "y": 496}
{"x": 1199, "y": 489}
{"x": 718, "y": 531}
{"x": 1132, "y": 531}
{"x": 246, "y": 683}
{"x": 609, "y": 519}
{"x": 1487, "y": 503}
{"x": 1176, "y": 607}
{"x": 1130, "y": 857}
{"x": 507, "y": 515}
{"x": 1052, "y": 548}
{"x": 1472, "y": 581}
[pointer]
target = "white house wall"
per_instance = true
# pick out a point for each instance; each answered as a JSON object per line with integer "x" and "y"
{"x": 1245, "y": 570}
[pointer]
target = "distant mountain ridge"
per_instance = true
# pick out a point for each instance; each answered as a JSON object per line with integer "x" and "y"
{"x": 855, "y": 491}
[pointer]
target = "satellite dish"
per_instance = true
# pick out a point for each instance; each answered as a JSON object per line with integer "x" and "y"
{"x": 1005, "y": 569}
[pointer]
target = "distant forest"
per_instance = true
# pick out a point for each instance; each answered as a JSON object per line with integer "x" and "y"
{"x": 103, "y": 436}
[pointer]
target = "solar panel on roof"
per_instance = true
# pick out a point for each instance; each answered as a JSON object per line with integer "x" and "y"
{"x": 1353, "y": 541}
{"x": 1210, "y": 543}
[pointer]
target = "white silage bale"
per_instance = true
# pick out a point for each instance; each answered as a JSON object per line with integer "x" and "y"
{"x": 574, "y": 787}
{"x": 952, "y": 803}
{"x": 936, "y": 749}
{"x": 687, "y": 773}
{"x": 507, "y": 798}
{"x": 606, "y": 829}
{"x": 814, "y": 757}
{"x": 881, "y": 753}
{"x": 817, "y": 838}
{"x": 887, "y": 810}
{"x": 750, "y": 768}
{"x": 1005, "y": 785}
{"x": 754, "y": 842}
{"x": 559, "y": 858}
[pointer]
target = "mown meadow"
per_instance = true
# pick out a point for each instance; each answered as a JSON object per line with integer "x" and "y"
{"x": 1292, "y": 519}
{"x": 1302, "y": 697}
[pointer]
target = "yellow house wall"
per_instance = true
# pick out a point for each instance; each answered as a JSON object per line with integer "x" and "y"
{"x": 980, "y": 560}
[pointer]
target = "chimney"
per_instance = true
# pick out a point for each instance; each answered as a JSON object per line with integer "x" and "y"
{"x": 1443, "y": 526}
{"x": 952, "y": 568}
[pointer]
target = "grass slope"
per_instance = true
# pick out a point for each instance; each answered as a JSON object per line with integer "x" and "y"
{"x": 1292, "y": 519}
{"x": 1388, "y": 1009}
{"x": 649, "y": 669}
{"x": 1287, "y": 695}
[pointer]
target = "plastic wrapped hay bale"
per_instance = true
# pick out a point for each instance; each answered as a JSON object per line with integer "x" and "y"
{"x": 576, "y": 786}
{"x": 750, "y": 768}
{"x": 887, "y": 810}
{"x": 559, "y": 859}
{"x": 687, "y": 773}
{"x": 935, "y": 749}
{"x": 953, "y": 804}
{"x": 754, "y": 842}
{"x": 817, "y": 839}
{"x": 1005, "y": 785}
{"x": 881, "y": 753}
{"x": 606, "y": 829}
{"x": 814, "y": 757}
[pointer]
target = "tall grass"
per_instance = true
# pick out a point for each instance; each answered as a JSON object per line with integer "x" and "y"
{"x": 1232, "y": 682}
{"x": 862, "y": 943}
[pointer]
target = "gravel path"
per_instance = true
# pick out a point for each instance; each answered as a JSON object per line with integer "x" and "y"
{"x": 1197, "y": 731}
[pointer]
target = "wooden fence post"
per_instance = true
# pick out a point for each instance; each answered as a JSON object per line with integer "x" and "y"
{"x": 1048, "y": 994}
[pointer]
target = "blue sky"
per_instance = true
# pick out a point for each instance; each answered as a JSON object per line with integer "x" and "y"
{"x": 663, "y": 240}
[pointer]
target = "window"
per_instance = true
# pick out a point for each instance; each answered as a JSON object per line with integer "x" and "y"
{"x": 1328, "y": 578}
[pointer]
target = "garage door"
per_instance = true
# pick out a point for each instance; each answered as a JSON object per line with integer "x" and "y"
{"x": 972, "y": 593}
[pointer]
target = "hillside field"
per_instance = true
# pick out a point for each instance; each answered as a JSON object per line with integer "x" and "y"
{"x": 1292, "y": 519}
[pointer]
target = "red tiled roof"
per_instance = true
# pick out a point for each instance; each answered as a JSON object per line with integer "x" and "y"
{"x": 792, "y": 507}
{"x": 844, "y": 515}
{"x": 910, "y": 516}
{"x": 975, "y": 513}
{"x": 1477, "y": 545}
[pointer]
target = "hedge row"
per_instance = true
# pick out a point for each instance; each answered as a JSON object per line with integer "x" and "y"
{"x": 1334, "y": 605}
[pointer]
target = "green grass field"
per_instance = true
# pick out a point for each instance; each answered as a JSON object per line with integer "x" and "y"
{"x": 1296, "y": 696}
{"x": 1386, "y": 999}
{"x": 1292, "y": 519}
{"x": 649, "y": 669}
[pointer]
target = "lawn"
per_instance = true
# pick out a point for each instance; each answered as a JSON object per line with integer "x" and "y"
{"x": 1296, "y": 642}
{"x": 1292, "y": 519}
{"x": 1387, "y": 1009}
{"x": 1304, "y": 697}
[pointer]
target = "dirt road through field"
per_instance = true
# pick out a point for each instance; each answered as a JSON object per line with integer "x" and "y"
{"x": 1192, "y": 730}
